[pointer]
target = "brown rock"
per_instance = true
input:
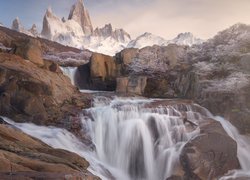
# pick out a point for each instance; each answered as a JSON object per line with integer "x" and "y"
{"x": 30, "y": 49}
{"x": 35, "y": 94}
{"x": 51, "y": 66}
{"x": 122, "y": 84}
{"x": 20, "y": 153}
{"x": 102, "y": 66}
{"x": 211, "y": 154}
{"x": 131, "y": 85}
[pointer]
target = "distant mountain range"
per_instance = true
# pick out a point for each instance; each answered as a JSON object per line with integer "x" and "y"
{"x": 77, "y": 31}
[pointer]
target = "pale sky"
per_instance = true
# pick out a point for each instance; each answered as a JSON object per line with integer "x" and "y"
{"x": 167, "y": 18}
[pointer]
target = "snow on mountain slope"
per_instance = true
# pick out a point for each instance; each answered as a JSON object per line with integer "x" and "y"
{"x": 78, "y": 32}
{"x": 186, "y": 38}
{"x": 68, "y": 33}
{"x": 147, "y": 39}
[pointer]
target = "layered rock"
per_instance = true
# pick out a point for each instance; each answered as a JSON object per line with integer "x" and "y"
{"x": 27, "y": 157}
{"x": 31, "y": 93}
{"x": 80, "y": 14}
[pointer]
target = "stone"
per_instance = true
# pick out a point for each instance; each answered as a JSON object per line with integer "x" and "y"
{"x": 211, "y": 154}
{"x": 102, "y": 66}
{"x": 30, "y": 49}
{"x": 131, "y": 85}
{"x": 21, "y": 153}
{"x": 122, "y": 84}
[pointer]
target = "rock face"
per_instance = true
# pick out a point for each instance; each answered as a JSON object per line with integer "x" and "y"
{"x": 33, "y": 30}
{"x": 80, "y": 14}
{"x": 215, "y": 74}
{"x": 209, "y": 155}
{"x": 131, "y": 85}
{"x": 29, "y": 49}
{"x": 107, "y": 31}
{"x": 16, "y": 25}
{"x": 20, "y": 153}
{"x": 34, "y": 94}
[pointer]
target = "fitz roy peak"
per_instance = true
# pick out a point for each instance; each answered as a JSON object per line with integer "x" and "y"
{"x": 77, "y": 31}
{"x": 81, "y": 15}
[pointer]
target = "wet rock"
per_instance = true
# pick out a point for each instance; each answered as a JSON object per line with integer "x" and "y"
{"x": 22, "y": 153}
{"x": 211, "y": 154}
{"x": 31, "y": 93}
{"x": 131, "y": 85}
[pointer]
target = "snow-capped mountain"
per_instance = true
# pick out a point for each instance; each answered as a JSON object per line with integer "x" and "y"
{"x": 80, "y": 14}
{"x": 17, "y": 26}
{"x": 186, "y": 38}
{"x": 68, "y": 33}
{"x": 147, "y": 39}
{"x": 78, "y": 31}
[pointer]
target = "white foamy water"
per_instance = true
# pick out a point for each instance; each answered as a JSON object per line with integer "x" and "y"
{"x": 70, "y": 72}
{"x": 135, "y": 140}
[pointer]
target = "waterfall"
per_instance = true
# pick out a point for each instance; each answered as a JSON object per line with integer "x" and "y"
{"x": 70, "y": 72}
{"x": 139, "y": 141}
{"x": 243, "y": 148}
{"x": 136, "y": 138}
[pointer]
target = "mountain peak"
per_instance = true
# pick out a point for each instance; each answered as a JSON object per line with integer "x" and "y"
{"x": 186, "y": 38}
{"x": 16, "y": 25}
{"x": 80, "y": 14}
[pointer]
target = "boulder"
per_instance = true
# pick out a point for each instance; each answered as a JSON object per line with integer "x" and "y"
{"x": 51, "y": 66}
{"x": 122, "y": 84}
{"x": 20, "y": 153}
{"x": 131, "y": 85}
{"x": 211, "y": 154}
{"x": 29, "y": 49}
{"x": 102, "y": 66}
{"x": 99, "y": 74}
{"x": 31, "y": 93}
{"x": 126, "y": 56}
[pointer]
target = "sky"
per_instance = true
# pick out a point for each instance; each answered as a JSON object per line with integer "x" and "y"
{"x": 166, "y": 18}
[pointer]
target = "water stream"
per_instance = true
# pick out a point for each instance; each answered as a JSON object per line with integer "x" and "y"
{"x": 137, "y": 139}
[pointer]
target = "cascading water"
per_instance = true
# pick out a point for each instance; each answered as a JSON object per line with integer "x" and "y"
{"x": 138, "y": 139}
{"x": 70, "y": 72}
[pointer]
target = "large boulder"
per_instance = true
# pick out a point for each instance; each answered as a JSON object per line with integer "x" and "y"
{"x": 20, "y": 153}
{"x": 211, "y": 154}
{"x": 131, "y": 85}
{"x": 99, "y": 74}
{"x": 102, "y": 66}
{"x": 31, "y": 93}
{"x": 29, "y": 49}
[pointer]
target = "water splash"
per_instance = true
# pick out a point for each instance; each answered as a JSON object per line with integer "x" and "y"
{"x": 137, "y": 139}
{"x": 70, "y": 72}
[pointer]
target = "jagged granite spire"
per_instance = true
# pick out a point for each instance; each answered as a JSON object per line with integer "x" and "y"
{"x": 46, "y": 31}
{"x": 16, "y": 25}
{"x": 80, "y": 14}
{"x": 33, "y": 30}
